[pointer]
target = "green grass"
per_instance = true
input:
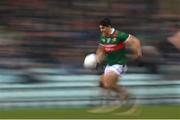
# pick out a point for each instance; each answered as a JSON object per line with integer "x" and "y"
{"x": 144, "y": 112}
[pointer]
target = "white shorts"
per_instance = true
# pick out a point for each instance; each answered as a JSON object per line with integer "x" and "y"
{"x": 118, "y": 69}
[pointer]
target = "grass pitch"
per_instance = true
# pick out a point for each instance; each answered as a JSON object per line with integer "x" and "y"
{"x": 143, "y": 112}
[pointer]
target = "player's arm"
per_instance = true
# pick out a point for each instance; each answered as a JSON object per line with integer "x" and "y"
{"x": 100, "y": 54}
{"x": 134, "y": 44}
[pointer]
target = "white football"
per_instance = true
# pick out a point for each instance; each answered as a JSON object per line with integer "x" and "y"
{"x": 90, "y": 61}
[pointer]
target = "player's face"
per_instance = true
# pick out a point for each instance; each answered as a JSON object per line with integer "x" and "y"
{"x": 104, "y": 29}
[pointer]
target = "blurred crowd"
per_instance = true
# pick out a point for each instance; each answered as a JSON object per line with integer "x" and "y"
{"x": 59, "y": 33}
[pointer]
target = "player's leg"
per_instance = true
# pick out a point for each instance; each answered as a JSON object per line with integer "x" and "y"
{"x": 106, "y": 101}
{"x": 104, "y": 93}
{"x": 127, "y": 100}
{"x": 111, "y": 78}
{"x": 110, "y": 82}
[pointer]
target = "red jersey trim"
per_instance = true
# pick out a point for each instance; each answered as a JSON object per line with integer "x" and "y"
{"x": 113, "y": 47}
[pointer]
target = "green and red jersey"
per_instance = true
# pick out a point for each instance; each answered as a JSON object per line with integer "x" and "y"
{"x": 114, "y": 47}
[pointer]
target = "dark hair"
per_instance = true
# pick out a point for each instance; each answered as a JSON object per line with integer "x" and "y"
{"x": 105, "y": 22}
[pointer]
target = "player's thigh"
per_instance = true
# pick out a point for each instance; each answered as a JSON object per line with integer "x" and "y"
{"x": 110, "y": 79}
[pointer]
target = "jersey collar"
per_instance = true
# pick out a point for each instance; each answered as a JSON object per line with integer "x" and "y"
{"x": 112, "y": 31}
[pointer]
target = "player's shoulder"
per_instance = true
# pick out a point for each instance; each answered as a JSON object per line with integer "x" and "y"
{"x": 122, "y": 36}
{"x": 121, "y": 33}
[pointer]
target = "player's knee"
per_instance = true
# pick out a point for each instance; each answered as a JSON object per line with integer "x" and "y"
{"x": 107, "y": 86}
{"x": 103, "y": 85}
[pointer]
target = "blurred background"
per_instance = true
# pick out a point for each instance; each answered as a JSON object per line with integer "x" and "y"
{"x": 43, "y": 44}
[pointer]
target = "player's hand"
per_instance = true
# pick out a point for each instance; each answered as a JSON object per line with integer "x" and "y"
{"x": 138, "y": 55}
{"x": 100, "y": 58}
{"x": 132, "y": 57}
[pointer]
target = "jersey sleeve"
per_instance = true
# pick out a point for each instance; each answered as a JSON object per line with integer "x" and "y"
{"x": 123, "y": 36}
